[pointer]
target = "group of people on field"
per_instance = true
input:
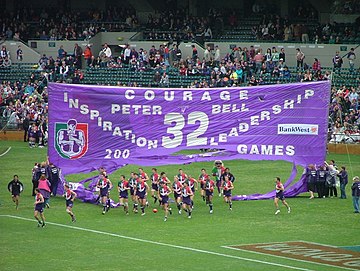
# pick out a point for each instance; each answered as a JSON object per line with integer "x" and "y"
{"x": 323, "y": 180}
{"x": 183, "y": 187}
{"x": 46, "y": 177}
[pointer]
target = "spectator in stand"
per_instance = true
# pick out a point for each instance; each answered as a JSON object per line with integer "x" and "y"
{"x": 316, "y": 65}
{"x": 337, "y": 61}
{"x": 282, "y": 55}
{"x": 300, "y": 56}
{"x": 61, "y": 52}
{"x": 351, "y": 57}
{"x": 88, "y": 55}
{"x": 19, "y": 54}
{"x": 78, "y": 52}
{"x": 105, "y": 55}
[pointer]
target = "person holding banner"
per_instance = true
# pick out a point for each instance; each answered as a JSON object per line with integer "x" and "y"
{"x": 331, "y": 178}
{"x": 104, "y": 184}
{"x": 279, "y": 188}
{"x": 123, "y": 188}
{"x": 320, "y": 181}
{"x": 311, "y": 177}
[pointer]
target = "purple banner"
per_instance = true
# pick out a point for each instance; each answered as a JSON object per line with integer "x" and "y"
{"x": 94, "y": 126}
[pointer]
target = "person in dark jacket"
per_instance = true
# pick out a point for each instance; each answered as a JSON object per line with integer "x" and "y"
{"x": 356, "y": 193}
{"x": 26, "y": 125}
{"x": 343, "y": 178}
{"x": 15, "y": 187}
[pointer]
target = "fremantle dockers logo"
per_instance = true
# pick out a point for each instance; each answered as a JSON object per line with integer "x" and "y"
{"x": 71, "y": 139}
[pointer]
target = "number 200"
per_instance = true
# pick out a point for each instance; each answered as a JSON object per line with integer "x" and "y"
{"x": 117, "y": 154}
{"x": 193, "y": 138}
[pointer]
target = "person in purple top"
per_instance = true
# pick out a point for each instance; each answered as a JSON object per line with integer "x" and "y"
{"x": 123, "y": 188}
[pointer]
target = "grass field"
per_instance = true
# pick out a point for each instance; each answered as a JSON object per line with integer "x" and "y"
{"x": 119, "y": 242}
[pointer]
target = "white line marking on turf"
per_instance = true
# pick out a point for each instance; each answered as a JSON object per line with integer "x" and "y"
{"x": 5, "y": 152}
{"x": 283, "y": 257}
{"x": 161, "y": 244}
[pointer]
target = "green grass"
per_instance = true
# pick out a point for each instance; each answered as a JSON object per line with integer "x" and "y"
{"x": 26, "y": 247}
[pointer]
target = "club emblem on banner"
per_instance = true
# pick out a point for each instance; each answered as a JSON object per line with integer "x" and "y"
{"x": 71, "y": 139}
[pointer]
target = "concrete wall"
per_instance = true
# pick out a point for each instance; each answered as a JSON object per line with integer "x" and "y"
{"x": 30, "y": 55}
{"x": 324, "y": 52}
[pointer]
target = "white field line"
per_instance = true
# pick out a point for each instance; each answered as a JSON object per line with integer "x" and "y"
{"x": 161, "y": 244}
{"x": 283, "y": 257}
{"x": 8, "y": 149}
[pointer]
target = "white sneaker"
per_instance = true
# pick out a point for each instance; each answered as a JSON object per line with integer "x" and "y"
{"x": 277, "y": 212}
{"x": 289, "y": 210}
{"x": 179, "y": 212}
{"x": 189, "y": 216}
{"x": 219, "y": 194}
{"x": 211, "y": 211}
{"x": 143, "y": 214}
{"x": 165, "y": 219}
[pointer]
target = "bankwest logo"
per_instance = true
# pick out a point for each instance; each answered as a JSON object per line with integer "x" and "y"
{"x": 298, "y": 129}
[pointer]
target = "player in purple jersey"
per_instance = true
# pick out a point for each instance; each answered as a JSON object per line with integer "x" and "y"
{"x": 186, "y": 194}
{"x": 163, "y": 193}
{"x": 39, "y": 208}
{"x": 154, "y": 184}
{"x": 104, "y": 184}
{"x": 69, "y": 197}
{"x": 177, "y": 186}
{"x": 227, "y": 187}
{"x": 141, "y": 191}
{"x": 279, "y": 188}
{"x": 123, "y": 188}
{"x": 132, "y": 186}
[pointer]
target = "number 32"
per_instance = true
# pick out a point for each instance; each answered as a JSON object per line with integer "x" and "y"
{"x": 193, "y": 138}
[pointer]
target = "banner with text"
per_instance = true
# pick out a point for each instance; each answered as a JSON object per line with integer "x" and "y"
{"x": 94, "y": 126}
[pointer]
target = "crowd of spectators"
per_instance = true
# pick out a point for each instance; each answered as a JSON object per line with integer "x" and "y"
{"x": 54, "y": 24}
{"x": 346, "y": 7}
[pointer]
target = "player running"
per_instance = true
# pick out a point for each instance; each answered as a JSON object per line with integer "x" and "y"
{"x": 279, "y": 188}
{"x": 182, "y": 176}
{"x": 39, "y": 208}
{"x": 163, "y": 193}
{"x": 104, "y": 184}
{"x": 192, "y": 181}
{"x": 186, "y": 194}
{"x": 132, "y": 184}
{"x": 177, "y": 186}
{"x": 15, "y": 187}
{"x": 202, "y": 178}
{"x": 209, "y": 192}
{"x": 154, "y": 184}
{"x": 141, "y": 191}
{"x": 143, "y": 176}
{"x": 70, "y": 197}
{"x": 227, "y": 187}
{"x": 123, "y": 188}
